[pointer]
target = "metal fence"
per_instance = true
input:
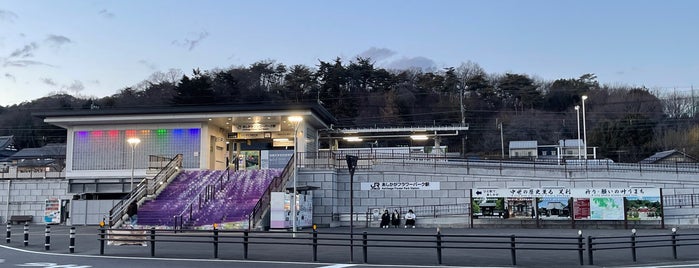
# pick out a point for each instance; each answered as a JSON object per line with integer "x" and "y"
{"x": 313, "y": 243}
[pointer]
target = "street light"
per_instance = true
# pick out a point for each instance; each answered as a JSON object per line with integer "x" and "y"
{"x": 296, "y": 120}
{"x": 584, "y": 97}
{"x": 133, "y": 142}
{"x": 577, "y": 110}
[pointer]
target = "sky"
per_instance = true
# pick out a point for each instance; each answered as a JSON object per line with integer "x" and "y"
{"x": 96, "y": 48}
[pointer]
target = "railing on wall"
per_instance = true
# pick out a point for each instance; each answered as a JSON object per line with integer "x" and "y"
{"x": 336, "y": 160}
{"x": 144, "y": 188}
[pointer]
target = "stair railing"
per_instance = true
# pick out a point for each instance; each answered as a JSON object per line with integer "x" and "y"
{"x": 144, "y": 187}
{"x": 277, "y": 184}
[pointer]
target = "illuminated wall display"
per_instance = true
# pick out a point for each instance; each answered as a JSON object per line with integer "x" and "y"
{"x": 108, "y": 149}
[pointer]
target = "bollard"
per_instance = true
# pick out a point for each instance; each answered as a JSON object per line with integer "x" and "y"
{"x": 315, "y": 245}
{"x": 580, "y": 247}
{"x": 9, "y": 232}
{"x": 245, "y": 244}
{"x": 512, "y": 249}
{"x": 71, "y": 246}
{"x": 26, "y": 234}
{"x": 215, "y": 243}
{"x": 439, "y": 247}
{"x": 101, "y": 239}
{"x": 633, "y": 244}
{"x": 674, "y": 243}
{"x": 589, "y": 250}
{"x": 47, "y": 234}
{"x": 152, "y": 241}
{"x": 365, "y": 240}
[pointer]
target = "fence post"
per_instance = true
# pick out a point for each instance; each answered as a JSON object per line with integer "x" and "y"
{"x": 365, "y": 241}
{"x": 580, "y": 247}
{"x": 215, "y": 242}
{"x": 152, "y": 241}
{"x": 589, "y": 250}
{"x": 633, "y": 244}
{"x": 9, "y": 232}
{"x": 674, "y": 243}
{"x": 71, "y": 246}
{"x": 439, "y": 246}
{"x": 26, "y": 234}
{"x": 47, "y": 234}
{"x": 101, "y": 240}
{"x": 245, "y": 244}
{"x": 512, "y": 250}
{"x": 315, "y": 245}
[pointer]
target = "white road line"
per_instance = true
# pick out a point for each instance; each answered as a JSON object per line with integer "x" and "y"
{"x": 338, "y": 266}
{"x": 667, "y": 266}
{"x": 231, "y": 261}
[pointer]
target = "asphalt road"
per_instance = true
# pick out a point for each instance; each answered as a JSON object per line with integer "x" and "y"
{"x": 277, "y": 253}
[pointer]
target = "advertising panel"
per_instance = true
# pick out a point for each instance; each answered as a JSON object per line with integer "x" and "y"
{"x": 52, "y": 211}
{"x": 553, "y": 208}
{"x": 643, "y": 208}
{"x": 607, "y": 208}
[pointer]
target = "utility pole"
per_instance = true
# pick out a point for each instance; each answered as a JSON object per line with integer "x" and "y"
{"x": 502, "y": 139}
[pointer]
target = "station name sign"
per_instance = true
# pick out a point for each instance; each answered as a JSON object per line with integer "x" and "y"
{"x": 256, "y": 127}
{"x": 419, "y": 185}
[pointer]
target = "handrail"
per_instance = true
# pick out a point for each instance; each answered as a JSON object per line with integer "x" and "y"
{"x": 117, "y": 212}
{"x": 274, "y": 186}
{"x": 205, "y": 192}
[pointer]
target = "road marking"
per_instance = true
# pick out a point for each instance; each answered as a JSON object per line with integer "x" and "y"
{"x": 338, "y": 266}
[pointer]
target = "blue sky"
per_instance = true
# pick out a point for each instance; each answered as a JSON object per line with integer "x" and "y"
{"x": 95, "y": 48}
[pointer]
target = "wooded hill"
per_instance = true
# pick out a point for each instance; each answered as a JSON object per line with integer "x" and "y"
{"x": 626, "y": 123}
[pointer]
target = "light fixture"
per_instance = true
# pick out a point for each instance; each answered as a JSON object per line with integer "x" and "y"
{"x": 296, "y": 120}
{"x": 352, "y": 139}
{"x": 418, "y": 137}
{"x": 280, "y": 139}
{"x": 133, "y": 142}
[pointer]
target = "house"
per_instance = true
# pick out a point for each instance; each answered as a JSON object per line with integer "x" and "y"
{"x": 523, "y": 149}
{"x": 669, "y": 157}
{"x": 49, "y": 158}
{"x": 7, "y": 149}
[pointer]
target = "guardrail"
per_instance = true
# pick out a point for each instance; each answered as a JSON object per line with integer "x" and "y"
{"x": 460, "y": 246}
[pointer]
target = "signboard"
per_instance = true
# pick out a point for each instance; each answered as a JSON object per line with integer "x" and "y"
{"x": 256, "y": 127}
{"x": 420, "y": 185}
{"x": 566, "y": 192}
{"x": 280, "y": 210}
{"x": 52, "y": 211}
{"x": 594, "y": 203}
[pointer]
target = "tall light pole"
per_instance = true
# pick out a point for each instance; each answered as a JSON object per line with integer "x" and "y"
{"x": 577, "y": 110}
{"x": 133, "y": 142}
{"x": 296, "y": 120}
{"x": 502, "y": 141}
{"x": 584, "y": 97}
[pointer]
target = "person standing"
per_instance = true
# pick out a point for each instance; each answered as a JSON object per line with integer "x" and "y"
{"x": 132, "y": 211}
{"x": 410, "y": 219}
{"x": 395, "y": 218}
{"x": 385, "y": 219}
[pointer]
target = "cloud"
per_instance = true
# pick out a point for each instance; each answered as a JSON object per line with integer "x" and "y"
{"x": 190, "y": 44}
{"x": 422, "y": 63}
{"x": 10, "y": 77}
{"x": 57, "y": 40}
{"x": 24, "y": 63}
{"x": 76, "y": 86}
{"x": 48, "y": 81}
{"x": 24, "y": 52}
{"x": 150, "y": 65}
{"x": 106, "y": 14}
{"x": 377, "y": 54}
{"x": 6, "y": 15}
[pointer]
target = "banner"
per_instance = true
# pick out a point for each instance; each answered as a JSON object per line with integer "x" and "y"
{"x": 567, "y": 192}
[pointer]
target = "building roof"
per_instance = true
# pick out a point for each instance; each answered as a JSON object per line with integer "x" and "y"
{"x": 571, "y": 143}
{"x": 7, "y": 146}
{"x": 52, "y": 150}
{"x": 659, "y": 156}
{"x": 523, "y": 144}
{"x": 315, "y": 114}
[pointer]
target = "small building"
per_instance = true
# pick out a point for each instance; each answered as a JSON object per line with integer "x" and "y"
{"x": 669, "y": 157}
{"x": 7, "y": 149}
{"x": 523, "y": 149}
{"x": 49, "y": 158}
